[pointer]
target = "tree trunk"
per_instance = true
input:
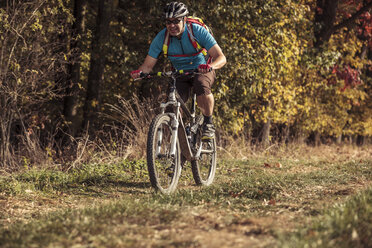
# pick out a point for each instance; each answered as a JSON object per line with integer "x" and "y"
{"x": 314, "y": 138}
{"x": 71, "y": 101}
{"x": 266, "y": 133}
{"x": 285, "y": 134}
{"x": 339, "y": 139}
{"x": 325, "y": 17}
{"x": 360, "y": 140}
{"x": 317, "y": 140}
{"x": 97, "y": 62}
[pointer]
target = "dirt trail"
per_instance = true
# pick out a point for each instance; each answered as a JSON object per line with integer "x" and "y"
{"x": 213, "y": 229}
{"x": 251, "y": 223}
{"x": 197, "y": 226}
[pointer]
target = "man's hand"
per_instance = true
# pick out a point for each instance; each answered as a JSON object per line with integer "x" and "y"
{"x": 135, "y": 74}
{"x": 146, "y": 67}
{"x": 204, "y": 68}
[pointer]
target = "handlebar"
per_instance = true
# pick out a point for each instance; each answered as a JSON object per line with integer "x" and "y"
{"x": 174, "y": 73}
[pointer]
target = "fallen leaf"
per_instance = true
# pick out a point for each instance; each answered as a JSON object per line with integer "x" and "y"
{"x": 278, "y": 165}
{"x": 266, "y": 165}
{"x": 233, "y": 194}
{"x": 271, "y": 202}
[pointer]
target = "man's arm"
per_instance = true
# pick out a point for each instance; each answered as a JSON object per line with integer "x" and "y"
{"x": 219, "y": 59}
{"x": 146, "y": 67}
{"x": 148, "y": 64}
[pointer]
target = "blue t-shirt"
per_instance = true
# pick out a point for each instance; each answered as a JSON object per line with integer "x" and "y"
{"x": 183, "y": 46}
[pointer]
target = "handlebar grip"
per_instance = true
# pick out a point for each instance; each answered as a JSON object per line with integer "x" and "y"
{"x": 143, "y": 75}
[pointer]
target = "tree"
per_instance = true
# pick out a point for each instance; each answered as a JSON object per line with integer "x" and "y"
{"x": 97, "y": 62}
{"x": 30, "y": 61}
{"x": 71, "y": 100}
{"x": 342, "y": 27}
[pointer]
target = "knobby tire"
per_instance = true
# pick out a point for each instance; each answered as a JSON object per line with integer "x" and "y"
{"x": 164, "y": 171}
{"x": 204, "y": 168}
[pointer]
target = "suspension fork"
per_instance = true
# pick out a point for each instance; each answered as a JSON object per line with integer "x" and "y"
{"x": 159, "y": 133}
{"x": 175, "y": 124}
{"x": 174, "y": 120}
{"x": 176, "y": 115}
{"x": 193, "y": 107}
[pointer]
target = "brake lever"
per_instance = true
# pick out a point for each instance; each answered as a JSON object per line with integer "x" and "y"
{"x": 143, "y": 76}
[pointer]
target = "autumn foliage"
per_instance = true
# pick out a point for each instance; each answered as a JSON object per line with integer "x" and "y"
{"x": 296, "y": 69}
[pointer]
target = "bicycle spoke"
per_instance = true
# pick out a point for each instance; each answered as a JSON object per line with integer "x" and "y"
{"x": 204, "y": 167}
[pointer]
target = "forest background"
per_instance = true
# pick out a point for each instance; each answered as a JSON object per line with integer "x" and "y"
{"x": 297, "y": 71}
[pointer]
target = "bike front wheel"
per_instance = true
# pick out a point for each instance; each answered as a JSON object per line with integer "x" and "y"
{"x": 204, "y": 166}
{"x": 164, "y": 168}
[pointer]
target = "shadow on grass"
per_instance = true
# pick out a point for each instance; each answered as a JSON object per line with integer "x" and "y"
{"x": 133, "y": 187}
{"x": 107, "y": 188}
{"x": 138, "y": 185}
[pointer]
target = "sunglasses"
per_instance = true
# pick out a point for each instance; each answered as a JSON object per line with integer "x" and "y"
{"x": 175, "y": 21}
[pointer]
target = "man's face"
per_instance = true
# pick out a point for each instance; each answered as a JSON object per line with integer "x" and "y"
{"x": 175, "y": 26}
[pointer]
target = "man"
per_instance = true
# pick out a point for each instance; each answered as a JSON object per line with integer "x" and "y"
{"x": 184, "y": 56}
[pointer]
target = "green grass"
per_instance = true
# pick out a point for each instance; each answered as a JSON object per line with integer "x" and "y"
{"x": 48, "y": 180}
{"x": 112, "y": 205}
{"x": 347, "y": 224}
{"x": 106, "y": 225}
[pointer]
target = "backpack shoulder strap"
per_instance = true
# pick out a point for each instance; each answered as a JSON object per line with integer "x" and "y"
{"x": 190, "y": 33}
{"x": 166, "y": 43}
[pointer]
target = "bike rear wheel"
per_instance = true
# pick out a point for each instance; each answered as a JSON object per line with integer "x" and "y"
{"x": 164, "y": 169}
{"x": 204, "y": 167}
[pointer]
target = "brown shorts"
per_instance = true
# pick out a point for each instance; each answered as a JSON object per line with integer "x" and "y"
{"x": 200, "y": 83}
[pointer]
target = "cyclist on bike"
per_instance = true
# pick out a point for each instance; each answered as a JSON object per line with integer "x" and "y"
{"x": 184, "y": 56}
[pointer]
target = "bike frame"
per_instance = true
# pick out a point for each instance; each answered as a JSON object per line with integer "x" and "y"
{"x": 178, "y": 127}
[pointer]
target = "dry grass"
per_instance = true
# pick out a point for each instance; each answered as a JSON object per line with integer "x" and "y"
{"x": 132, "y": 119}
{"x": 125, "y": 136}
{"x": 239, "y": 148}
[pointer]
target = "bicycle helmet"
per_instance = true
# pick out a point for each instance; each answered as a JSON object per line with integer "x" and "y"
{"x": 175, "y": 10}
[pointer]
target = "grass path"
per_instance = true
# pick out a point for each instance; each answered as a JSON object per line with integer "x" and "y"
{"x": 271, "y": 200}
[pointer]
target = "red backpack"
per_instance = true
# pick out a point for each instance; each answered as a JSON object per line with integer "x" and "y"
{"x": 189, "y": 21}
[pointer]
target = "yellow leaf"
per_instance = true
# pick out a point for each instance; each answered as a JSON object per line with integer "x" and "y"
{"x": 94, "y": 103}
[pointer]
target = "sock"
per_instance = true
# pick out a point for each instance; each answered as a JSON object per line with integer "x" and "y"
{"x": 208, "y": 119}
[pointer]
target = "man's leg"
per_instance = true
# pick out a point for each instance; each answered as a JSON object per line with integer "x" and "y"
{"x": 184, "y": 85}
{"x": 206, "y": 104}
{"x": 205, "y": 100}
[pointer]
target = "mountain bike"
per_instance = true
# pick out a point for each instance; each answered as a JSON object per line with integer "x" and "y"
{"x": 175, "y": 136}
